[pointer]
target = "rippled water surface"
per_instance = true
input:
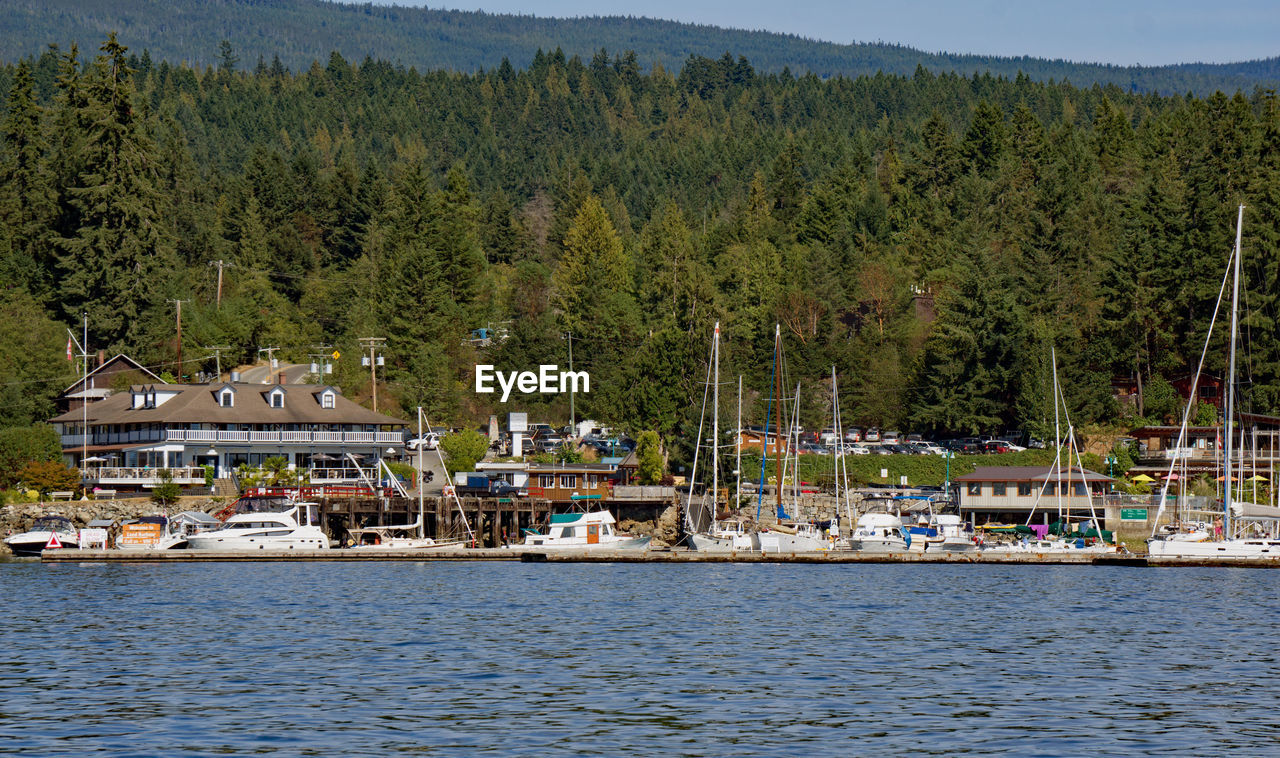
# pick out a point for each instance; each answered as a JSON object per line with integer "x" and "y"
{"x": 720, "y": 659}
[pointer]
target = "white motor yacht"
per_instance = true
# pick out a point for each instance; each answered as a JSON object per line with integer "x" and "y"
{"x": 879, "y": 533}
{"x": 34, "y": 540}
{"x": 583, "y": 531}
{"x": 263, "y": 531}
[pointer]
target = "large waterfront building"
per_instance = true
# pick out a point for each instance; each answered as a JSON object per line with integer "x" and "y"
{"x": 1008, "y": 494}
{"x": 125, "y": 440}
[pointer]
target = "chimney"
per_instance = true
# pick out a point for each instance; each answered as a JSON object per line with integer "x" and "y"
{"x": 102, "y": 357}
{"x": 280, "y": 378}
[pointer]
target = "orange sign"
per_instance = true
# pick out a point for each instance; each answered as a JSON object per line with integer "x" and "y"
{"x": 140, "y": 535}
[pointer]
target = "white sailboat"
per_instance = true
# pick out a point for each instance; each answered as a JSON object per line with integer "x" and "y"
{"x": 704, "y": 532}
{"x": 402, "y": 536}
{"x": 1233, "y": 545}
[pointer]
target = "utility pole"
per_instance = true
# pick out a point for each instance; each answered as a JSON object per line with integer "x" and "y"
{"x": 179, "y": 303}
{"x": 373, "y": 360}
{"x": 217, "y": 357}
{"x": 220, "y": 263}
{"x": 320, "y": 361}
{"x": 271, "y": 360}
{"x": 572, "y": 418}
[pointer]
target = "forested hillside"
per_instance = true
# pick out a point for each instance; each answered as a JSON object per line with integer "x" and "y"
{"x": 302, "y": 31}
{"x": 931, "y": 236}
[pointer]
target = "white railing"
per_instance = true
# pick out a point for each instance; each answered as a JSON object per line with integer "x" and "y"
{"x": 347, "y": 475}
{"x": 207, "y": 435}
{"x": 143, "y": 475}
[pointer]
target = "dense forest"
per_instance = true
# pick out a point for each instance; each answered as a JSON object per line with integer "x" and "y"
{"x": 302, "y": 31}
{"x": 930, "y": 236}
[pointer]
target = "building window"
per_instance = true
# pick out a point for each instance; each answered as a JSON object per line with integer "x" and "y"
{"x": 326, "y": 400}
{"x": 226, "y": 398}
{"x": 998, "y": 489}
{"x": 1077, "y": 489}
{"x": 1049, "y": 489}
{"x": 1024, "y": 489}
{"x": 546, "y": 480}
{"x": 593, "y": 480}
{"x": 277, "y": 399}
{"x": 568, "y": 481}
{"x": 973, "y": 489}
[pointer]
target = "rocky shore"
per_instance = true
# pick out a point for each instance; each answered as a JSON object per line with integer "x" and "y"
{"x": 18, "y": 518}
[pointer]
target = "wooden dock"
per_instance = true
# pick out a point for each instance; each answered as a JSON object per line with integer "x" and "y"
{"x": 678, "y": 555}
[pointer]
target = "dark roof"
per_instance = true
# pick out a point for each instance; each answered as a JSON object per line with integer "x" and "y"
{"x": 133, "y": 366}
{"x": 1027, "y": 474}
{"x": 198, "y": 404}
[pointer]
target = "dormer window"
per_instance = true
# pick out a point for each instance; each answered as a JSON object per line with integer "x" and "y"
{"x": 227, "y": 398}
{"x": 326, "y": 400}
{"x": 275, "y": 398}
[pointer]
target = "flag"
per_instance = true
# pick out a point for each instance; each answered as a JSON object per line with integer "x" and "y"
{"x": 70, "y": 356}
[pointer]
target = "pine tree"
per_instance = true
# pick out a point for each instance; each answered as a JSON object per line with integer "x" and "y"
{"x": 113, "y": 265}
{"x": 27, "y": 201}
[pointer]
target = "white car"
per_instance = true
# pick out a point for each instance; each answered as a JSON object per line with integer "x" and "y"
{"x": 426, "y": 442}
{"x": 857, "y": 449}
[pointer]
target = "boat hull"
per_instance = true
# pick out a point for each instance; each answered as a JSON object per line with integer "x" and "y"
{"x": 306, "y": 538}
{"x": 1224, "y": 549}
{"x": 878, "y": 545}
{"x": 31, "y": 544}
{"x": 706, "y": 543}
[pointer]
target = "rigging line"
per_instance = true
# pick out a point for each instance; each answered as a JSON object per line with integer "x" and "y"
{"x": 1195, "y": 381}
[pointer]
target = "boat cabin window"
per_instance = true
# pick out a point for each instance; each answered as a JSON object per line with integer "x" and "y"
{"x": 566, "y": 531}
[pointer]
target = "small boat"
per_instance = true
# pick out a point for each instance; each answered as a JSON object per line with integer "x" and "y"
{"x": 880, "y": 533}
{"x": 33, "y": 541}
{"x": 263, "y": 531}
{"x": 164, "y": 533}
{"x": 725, "y": 536}
{"x": 955, "y": 535}
{"x": 394, "y": 537}
{"x": 795, "y": 538}
{"x": 582, "y": 531}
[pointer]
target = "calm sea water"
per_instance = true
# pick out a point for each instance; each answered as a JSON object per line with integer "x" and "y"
{"x": 726, "y": 660}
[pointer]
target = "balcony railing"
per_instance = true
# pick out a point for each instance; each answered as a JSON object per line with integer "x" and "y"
{"x": 304, "y": 438}
{"x": 142, "y": 476}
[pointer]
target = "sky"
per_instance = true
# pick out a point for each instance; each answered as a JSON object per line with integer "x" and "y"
{"x": 1125, "y": 32}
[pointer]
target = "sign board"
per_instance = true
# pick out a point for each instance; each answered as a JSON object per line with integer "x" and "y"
{"x": 884, "y": 473}
{"x": 1133, "y": 514}
{"x": 517, "y": 422}
{"x": 140, "y": 535}
{"x": 336, "y": 355}
{"x": 95, "y": 537}
{"x": 1177, "y": 453}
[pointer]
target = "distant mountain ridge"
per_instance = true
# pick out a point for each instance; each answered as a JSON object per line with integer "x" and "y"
{"x": 304, "y": 31}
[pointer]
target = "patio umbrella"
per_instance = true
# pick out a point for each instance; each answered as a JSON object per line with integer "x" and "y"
{"x": 1143, "y": 478}
{"x": 94, "y": 459}
{"x": 323, "y": 457}
{"x": 1173, "y": 477}
{"x": 1224, "y": 477}
{"x": 1256, "y": 478}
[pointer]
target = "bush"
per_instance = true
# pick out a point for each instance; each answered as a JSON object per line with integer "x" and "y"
{"x": 166, "y": 493}
{"x": 649, "y": 458}
{"x": 49, "y": 476}
{"x": 463, "y": 450}
{"x": 24, "y": 444}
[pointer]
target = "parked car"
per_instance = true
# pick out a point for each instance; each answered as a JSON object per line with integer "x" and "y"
{"x": 853, "y": 435}
{"x": 857, "y": 449}
{"x": 427, "y": 441}
{"x": 891, "y": 438}
{"x": 996, "y": 446}
{"x": 871, "y": 435}
{"x": 810, "y": 448}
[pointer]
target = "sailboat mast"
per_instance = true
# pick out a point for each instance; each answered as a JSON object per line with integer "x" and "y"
{"x": 422, "y": 483}
{"x": 777, "y": 389}
{"x": 1057, "y": 430}
{"x": 737, "y": 445}
{"x": 1231, "y": 382}
{"x": 715, "y": 425}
